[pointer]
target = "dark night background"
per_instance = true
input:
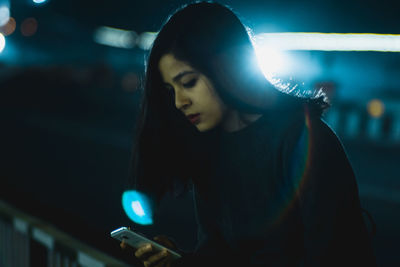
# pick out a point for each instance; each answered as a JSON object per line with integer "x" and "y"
{"x": 68, "y": 107}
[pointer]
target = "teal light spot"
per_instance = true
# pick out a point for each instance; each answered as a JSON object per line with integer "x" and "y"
{"x": 39, "y": 1}
{"x": 137, "y": 207}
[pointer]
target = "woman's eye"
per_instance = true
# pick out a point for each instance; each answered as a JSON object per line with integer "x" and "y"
{"x": 190, "y": 83}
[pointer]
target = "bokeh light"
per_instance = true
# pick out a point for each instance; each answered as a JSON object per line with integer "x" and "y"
{"x": 376, "y": 108}
{"x": 130, "y": 82}
{"x": 29, "y": 27}
{"x": 9, "y": 27}
{"x": 2, "y": 42}
{"x": 137, "y": 207}
{"x": 39, "y": 1}
{"x": 4, "y": 15}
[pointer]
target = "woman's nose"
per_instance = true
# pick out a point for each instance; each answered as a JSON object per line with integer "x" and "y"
{"x": 182, "y": 101}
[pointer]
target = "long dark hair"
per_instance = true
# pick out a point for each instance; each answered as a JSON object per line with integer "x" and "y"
{"x": 210, "y": 38}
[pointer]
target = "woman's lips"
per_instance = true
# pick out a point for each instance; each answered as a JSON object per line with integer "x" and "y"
{"x": 194, "y": 118}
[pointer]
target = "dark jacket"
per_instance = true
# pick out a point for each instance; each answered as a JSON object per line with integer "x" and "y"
{"x": 281, "y": 192}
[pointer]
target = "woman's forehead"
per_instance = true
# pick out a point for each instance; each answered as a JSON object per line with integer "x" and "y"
{"x": 170, "y": 67}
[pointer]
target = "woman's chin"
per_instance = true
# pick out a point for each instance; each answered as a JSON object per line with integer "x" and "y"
{"x": 201, "y": 127}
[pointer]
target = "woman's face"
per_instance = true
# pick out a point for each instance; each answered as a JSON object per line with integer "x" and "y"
{"x": 195, "y": 95}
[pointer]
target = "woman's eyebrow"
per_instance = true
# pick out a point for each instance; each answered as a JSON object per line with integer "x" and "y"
{"x": 180, "y": 75}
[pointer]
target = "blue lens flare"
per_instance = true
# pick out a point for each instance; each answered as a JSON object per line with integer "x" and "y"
{"x": 137, "y": 207}
{"x": 39, "y": 1}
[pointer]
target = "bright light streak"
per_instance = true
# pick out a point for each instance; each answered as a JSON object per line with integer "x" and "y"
{"x": 314, "y": 41}
{"x": 146, "y": 39}
{"x": 4, "y": 15}
{"x": 331, "y": 41}
{"x": 2, "y": 42}
{"x": 39, "y": 1}
{"x": 115, "y": 37}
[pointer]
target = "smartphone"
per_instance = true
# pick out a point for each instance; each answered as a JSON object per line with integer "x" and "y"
{"x": 136, "y": 240}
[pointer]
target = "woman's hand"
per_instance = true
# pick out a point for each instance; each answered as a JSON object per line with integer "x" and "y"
{"x": 151, "y": 258}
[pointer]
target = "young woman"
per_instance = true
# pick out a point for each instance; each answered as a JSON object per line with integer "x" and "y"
{"x": 272, "y": 184}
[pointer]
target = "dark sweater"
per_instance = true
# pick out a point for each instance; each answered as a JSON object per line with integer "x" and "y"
{"x": 281, "y": 193}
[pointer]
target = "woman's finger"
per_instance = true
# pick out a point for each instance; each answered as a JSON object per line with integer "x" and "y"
{"x": 123, "y": 244}
{"x": 151, "y": 261}
{"x": 164, "y": 263}
{"x": 143, "y": 250}
{"x": 126, "y": 247}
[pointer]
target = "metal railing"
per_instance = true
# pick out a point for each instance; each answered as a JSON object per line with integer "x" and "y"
{"x": 28, "y": 241}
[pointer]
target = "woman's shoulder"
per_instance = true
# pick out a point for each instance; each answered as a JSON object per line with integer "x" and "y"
{"x": 308, "y": 133}
{"x": 305, "y": 117}
{"x": 305, "y": 123}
